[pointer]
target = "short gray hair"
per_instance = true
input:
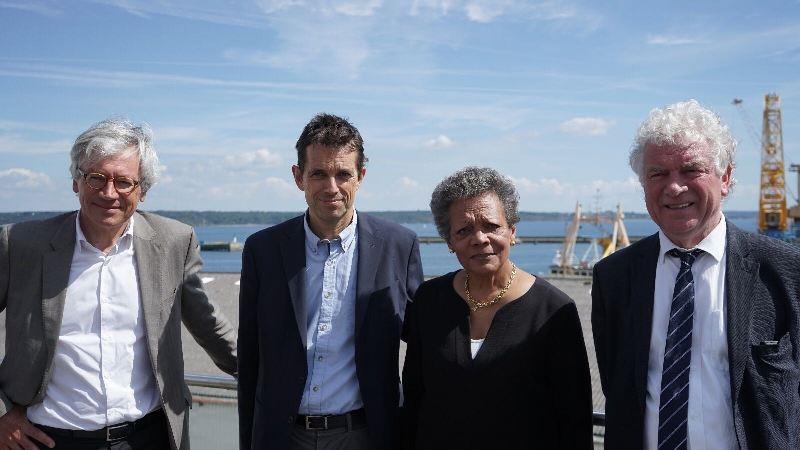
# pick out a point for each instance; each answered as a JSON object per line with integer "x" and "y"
{"x": 471, "y": 182}
{"x": 684, "y": 123}
{"x": 116, "y": 137}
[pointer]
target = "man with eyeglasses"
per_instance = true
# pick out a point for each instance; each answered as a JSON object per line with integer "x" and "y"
{"x": 94, "y": 301}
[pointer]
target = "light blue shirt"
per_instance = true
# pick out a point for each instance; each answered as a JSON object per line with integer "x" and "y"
{"x": 330, "y": 296}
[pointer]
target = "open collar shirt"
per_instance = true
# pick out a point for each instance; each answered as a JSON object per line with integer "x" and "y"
{"x": 101, "y": 373}
{"x": 710, "y": 411}
{"x": 330, "y": 297}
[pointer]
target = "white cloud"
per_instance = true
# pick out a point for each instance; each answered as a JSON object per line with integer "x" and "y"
{"x": 33, "y": 6}
{"x": 280, "y": 186}
{"x": 540, "y": 186}
{"x": 613, "y": 189}
{"x": 342, "y": 42}
{"x": 587, "y": 126}
{"x": 408, "y": 183}
{"x": 667, "y": 40}
{"x": 256, "y": 159}
{"x": 358, "y": 8}
{"x": 502, "y": 118}
{"x": 481, "y": 13}
{"x": 439, "y": 142}
{"x": 19, "y": 178}
{"x": 438, "y": 6}
{"x": 485, "y": 11}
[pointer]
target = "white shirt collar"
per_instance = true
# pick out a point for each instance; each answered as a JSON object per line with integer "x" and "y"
{"x": 80, "y": 238}
{"x": 713, "y": 244}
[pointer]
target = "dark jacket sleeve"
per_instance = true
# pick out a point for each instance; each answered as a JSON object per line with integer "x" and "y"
{"x": 248, "y": 346}
{"x": 599, "y": 328}
{"x": 568, "y": 370}
{"x": 414, "y": 275}
{"x": 413, "y": 385}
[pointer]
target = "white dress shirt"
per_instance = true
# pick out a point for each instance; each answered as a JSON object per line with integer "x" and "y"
{"x": 101, "y": 373}
{"x": 710, "y": 424}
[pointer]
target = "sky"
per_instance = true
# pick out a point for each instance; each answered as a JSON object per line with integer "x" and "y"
{"x": 549, "y": 93}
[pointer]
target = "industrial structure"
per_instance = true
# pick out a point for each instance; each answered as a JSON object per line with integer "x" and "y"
{"x": 564, "y": 264}
{"x": 774, "y": 217}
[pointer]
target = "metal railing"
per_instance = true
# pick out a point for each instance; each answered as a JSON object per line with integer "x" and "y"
{"x": 229, "y": 383}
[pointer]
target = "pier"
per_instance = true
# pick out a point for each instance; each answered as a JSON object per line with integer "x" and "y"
{"x": 528, "y": 239}
{"x": 221, "y": 246}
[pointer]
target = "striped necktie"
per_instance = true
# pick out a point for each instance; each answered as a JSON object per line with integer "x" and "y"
{"x": 674, "y": 406}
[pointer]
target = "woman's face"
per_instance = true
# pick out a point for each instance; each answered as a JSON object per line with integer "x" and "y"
{"x": 480, "y": 234}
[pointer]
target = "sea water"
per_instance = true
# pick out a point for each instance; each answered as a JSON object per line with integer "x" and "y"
{"x": 436, "y": 260}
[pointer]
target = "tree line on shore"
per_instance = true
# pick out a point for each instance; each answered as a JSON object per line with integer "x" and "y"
{"x": 196, "y": 218}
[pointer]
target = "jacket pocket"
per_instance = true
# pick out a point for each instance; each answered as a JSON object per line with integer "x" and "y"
{"x": 774, "y": 356}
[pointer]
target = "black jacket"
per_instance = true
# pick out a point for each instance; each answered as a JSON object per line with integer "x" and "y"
{"x": 762, "y": 302}
{"x": 272, "y": 355}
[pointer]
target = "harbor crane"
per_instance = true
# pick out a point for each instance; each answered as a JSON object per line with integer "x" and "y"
{"x": 774, "y": 218}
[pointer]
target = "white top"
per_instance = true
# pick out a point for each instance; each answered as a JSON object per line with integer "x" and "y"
{"x": 101, "y": 367}
{"x": 475, "y": 345}
{"x": 710, "y": 415}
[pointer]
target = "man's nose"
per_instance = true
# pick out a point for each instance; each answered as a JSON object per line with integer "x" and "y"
{"x": 109, "y": 191}
{"x": 330, "y": 185}
{"x": 676, "y": 186}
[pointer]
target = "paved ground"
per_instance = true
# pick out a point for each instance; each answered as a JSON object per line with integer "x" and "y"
{"x": 224, "y": 289}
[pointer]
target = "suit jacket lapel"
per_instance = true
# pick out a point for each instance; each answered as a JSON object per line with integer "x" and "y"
{"x": 369, "y": 258}
{"x": 293, "y": 253}
{"x": 149, "y": 254}
{"x": 740, "y": 271}
{"x": 55, "y": 279}
{"x": 643, "y": 278}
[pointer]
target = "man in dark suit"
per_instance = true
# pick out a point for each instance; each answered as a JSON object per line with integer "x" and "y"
{"x": 322, "y": 302}
{"x": 697, "y": 328}
{"x": 94, "y": 301}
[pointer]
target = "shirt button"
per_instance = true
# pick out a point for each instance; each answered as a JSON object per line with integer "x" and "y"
{"x": 319, "y": 358}
{"x": 323, "y": 327}
{"x": 291, "y": 419}
{"x": 315, "y": 388}
{"x": 328, "y": 294}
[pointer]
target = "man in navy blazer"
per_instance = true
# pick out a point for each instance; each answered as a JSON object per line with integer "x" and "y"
{"x": 697, "y": 328}
{"x": 321, "y": 303}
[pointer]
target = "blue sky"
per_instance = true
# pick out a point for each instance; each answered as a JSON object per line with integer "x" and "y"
{"x": 549, "y": 93}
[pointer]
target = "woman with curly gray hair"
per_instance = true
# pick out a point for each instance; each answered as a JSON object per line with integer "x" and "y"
{"x": 495, "y": 357}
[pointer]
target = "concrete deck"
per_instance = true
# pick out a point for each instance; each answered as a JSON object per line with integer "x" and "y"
{"x": 223, "y": 288}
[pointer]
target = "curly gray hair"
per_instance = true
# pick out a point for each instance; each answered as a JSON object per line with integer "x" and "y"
{"x": 684, "y": 123}
{"x": 471, "y": 182}
{"x": 116, "y": 137}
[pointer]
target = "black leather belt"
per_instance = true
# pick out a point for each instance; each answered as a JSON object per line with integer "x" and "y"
{"x": 328, "y": 422}
{"x": 110, "y": 433}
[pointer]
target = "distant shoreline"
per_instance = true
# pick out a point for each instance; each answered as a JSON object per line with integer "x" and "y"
{"x": 243, "y": 218}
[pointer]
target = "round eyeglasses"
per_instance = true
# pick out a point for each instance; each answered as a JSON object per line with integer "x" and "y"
{"x": 97, "y": 181}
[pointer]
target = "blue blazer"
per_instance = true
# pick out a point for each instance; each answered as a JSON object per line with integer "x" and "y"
{"x": 762, "y": 301}
{"x": 272, "y": 329}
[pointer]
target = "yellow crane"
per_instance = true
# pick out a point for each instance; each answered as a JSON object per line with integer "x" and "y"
{"x": 773, "y": 217}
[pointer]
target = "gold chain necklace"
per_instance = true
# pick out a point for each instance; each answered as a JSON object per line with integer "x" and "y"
{"x": 476, "y": 305}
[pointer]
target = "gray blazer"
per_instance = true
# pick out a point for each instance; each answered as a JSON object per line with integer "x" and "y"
{"x": 762, "y": 301}
{"x": 35, "y": 259}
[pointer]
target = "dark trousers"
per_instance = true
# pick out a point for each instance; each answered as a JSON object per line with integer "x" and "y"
{"x": 346, "y": 438}
{"x": 155, "y": 436}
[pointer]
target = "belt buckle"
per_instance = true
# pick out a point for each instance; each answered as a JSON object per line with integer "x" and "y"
{"x": 113, "y": 428}
{"x": 313, "y": 428}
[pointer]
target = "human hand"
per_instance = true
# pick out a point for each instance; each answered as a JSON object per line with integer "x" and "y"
{"x": 16, "y": 431}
